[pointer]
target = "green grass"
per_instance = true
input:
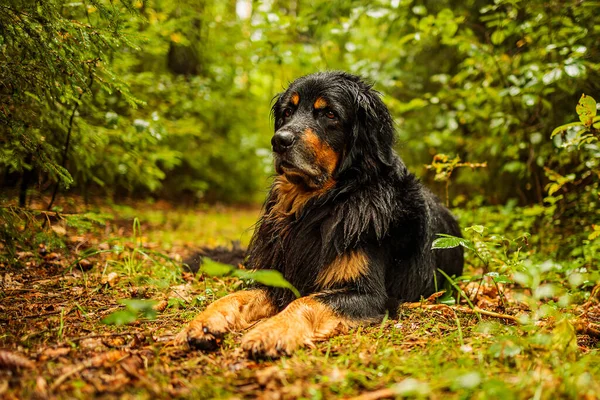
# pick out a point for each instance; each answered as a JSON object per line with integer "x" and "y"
{"x": 181, "y": 227}
{"x": 429, "y": 351}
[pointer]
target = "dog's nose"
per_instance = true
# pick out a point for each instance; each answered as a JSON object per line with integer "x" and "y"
{"x": 282, "y": 141}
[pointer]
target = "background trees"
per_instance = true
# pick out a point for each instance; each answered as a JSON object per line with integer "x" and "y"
{"x": 155, "y": 99}
{"x": 172, "y": 98}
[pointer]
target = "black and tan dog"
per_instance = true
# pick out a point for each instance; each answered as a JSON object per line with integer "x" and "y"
{"x": 344, "y": 222}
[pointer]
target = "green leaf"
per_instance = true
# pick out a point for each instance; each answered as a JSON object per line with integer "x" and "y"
{"x": 499, "y": 278}
{"x": 505, "y": 349}
{"x": 586, "y": 109}
{"x": 419, "y": 10}
{"x": 498, "y": 37}
{"x": 139, "y": 306}
{"x": 214, "y": 268}
{"x": 122, "y": 317}
{"x": 522, "y": 278}
{"x": 476, "y": 228}
{"x": 33, "y": 96}
{"x": 595, "y": 232}
{"x": 469, "y": 380}
{"x": 268, "y": 277}
{"x": 447, "y": 299}
{"x": 563, "y": 128}
{"x": 564, "y": 338}
{"x": 449, "y": 242}
{"x": 134, "y": 309}
{"x": 552, "y": 76}
{"x": 412, "y": 388}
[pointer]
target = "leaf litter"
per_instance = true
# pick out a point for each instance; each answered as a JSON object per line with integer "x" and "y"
{"x": 54, "y": 344}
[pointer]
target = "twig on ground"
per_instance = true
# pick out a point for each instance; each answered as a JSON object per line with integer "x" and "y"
{"x": 378, "y": 394}
{"x": 587, "y": 328}
{"x": 132, "y": 371}
{"x": 101, "y": 335}
{"x": 467, "y": 310}
{"x": 12, "y": 361}
{"x": 84, "y": 365}
{"x": 116, "y": 356}
{"x": 42, "y": 315}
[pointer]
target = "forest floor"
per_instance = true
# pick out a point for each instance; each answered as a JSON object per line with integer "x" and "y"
{"x": 65, "y": 331}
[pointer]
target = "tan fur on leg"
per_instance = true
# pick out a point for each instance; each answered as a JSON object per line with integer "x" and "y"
{"x": 234, "y": 312}
{"x": 302, "y": 323}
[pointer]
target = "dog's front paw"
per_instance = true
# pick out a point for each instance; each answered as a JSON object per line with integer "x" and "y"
{"x": 204, "y": 334}
{"x": 272, "y": 339}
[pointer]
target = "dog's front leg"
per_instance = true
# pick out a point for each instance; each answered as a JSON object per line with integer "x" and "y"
{"x": 234, "y": 312}
{"x": 301, "y": 323}
{"x": 308, "y": 320}
{"x": 351, "y": 291}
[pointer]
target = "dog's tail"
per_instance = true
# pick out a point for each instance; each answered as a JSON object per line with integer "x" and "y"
{"x": 233, "y": 255}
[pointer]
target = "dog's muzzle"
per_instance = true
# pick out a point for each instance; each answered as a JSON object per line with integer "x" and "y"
{"x": 282, "y": 140}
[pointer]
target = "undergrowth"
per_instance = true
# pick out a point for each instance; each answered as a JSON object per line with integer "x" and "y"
{"x": 520, "y": 323}
{"x": 90, "y": 303}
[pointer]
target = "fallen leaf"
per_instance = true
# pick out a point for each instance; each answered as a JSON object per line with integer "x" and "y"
{"x": 85, "y": 264}
{"x": 114, "y": 342}
{"x": 92, "y": 344}
{"x": 183, "y": 292}
{"x": 23, "y": 254}
{"x": 54, "y": 353}
{"x": 108, "y": 358}
{"x": 41, "y": 388}
{"x": 111, "y": 279}
{"x": 59, "y": 230}
{"x": 161, "y": 306}
{"x": 52, "y": 256}
{"x": 268, "y": 375}
{"x": 14, "y": 361}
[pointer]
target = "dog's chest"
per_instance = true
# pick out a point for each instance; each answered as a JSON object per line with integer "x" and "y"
{"x": 297, "y": 250}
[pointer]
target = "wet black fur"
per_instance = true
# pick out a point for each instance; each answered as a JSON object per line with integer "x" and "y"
{"x": 376, "y": 206}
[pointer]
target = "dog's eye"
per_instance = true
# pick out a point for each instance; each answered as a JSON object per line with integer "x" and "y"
{"x": 287, "y": 112}
{"x": 330, "y": 114}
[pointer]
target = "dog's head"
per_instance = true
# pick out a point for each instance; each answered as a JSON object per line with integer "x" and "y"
{"x": 329, "y": 124}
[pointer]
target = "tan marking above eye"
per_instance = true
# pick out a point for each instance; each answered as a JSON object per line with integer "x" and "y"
{"x": 320, "y": 103}
{"x": 295, "y": 99}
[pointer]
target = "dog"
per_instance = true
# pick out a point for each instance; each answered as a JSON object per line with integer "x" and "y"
{"x": 344, "y": 222}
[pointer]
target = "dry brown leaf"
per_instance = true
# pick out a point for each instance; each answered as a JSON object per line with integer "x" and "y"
{"x": 184, "y": 292}
{"x": 269, "y": 375}
{"x": 114, "y": 341}
{"x": 85, "y": 264}
{"x": 431, "y": 299}
{"x": 23, "y": 254}
{"x": 161, "y": 306}
{"x": 52, "y": 256}
{"x": 14, "y": 361}
{"x": 55, "y": 353}
{"x": 3, "y": 386}
{"x": 92, "y": 344}
{"x": 111, "y": 279}
{"x": 108, "y": 358}
{"x": 59, "y": 230}
{"x": 41, "y": 388}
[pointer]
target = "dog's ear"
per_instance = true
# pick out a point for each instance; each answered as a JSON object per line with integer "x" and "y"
{"x": 372, "y": 132}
